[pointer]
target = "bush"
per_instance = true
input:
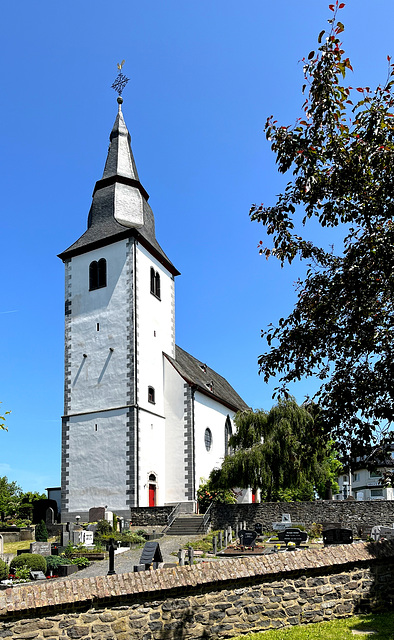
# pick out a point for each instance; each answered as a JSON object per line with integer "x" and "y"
{"x": 53, "y": 562}
{"x": 41, "y": 532}
{"x": 34, "y": 561}
{"x": 3, "y": 570}
{"x": 82, "y": 562}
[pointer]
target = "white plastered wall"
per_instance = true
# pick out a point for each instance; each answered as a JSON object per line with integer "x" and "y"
{"x": 174, "y": 447}
{"x": 155, "y": 335}
{"x": 208, "y": 413}
{"x": 98, "y": 375}
{"x": 97, "y": 471}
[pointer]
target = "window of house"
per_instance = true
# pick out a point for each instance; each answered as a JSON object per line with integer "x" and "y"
{"x": 375, "y": 474}
{"x": 155, "y": 283}
{"x": 356, "y": 477}
{"x": 97, "y": 274}
{"x": 151, "y": 395}
{"x": 208, "y": 439}
{"x": 376, "y": 493}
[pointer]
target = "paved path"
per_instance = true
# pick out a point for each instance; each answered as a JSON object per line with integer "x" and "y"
{"x": 124, "y": 562}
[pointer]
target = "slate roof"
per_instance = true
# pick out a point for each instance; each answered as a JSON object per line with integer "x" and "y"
{"x": 103, "y": 228}
{"x": 206, "y": 380}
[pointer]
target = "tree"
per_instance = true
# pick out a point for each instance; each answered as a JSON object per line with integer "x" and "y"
{"x": 341, "y": 157}
{"x": 2, "y": 420}
{"x": 10, "y": 493}
{"x": 41, "y": 532}
{"x": 206, "y": 494}
{"x": 284, "y": 452}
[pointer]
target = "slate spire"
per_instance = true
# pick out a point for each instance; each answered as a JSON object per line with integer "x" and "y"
{"x": 120, "y": 159}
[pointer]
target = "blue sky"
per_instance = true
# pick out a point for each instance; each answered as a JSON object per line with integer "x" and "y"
{"x": 204, "y": 75}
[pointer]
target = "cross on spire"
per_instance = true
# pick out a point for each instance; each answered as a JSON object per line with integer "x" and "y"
{"x": 120, "y": 81}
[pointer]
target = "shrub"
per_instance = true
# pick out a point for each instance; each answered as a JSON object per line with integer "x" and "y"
{"x": 3, "y": 570}
{"x": 41, "y": 532}
{"x": 34, "y": 561}
{"x": 82, "y": 562}
{"x": 53, "y": 562}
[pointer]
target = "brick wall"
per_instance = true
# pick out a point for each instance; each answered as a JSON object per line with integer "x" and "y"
{"x": 350, "y": 514}
{"x": 213, "y": 599}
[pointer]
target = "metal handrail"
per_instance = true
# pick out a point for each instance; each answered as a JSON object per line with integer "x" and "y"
{"x": 207, "y": 518}
{"x": 172, "y": 516}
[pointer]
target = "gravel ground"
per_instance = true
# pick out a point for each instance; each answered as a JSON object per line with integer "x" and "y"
{"x": 125, "y": 561}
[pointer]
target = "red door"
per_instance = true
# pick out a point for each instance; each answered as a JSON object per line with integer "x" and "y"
{"x": 253, "y": 495}
{"x": 152, "y": 495}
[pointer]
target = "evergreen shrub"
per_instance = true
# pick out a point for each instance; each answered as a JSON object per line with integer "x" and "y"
{"x": 41, "y": 532}
{"x": 3, "y": 570}
{"x": 34, "y": 561}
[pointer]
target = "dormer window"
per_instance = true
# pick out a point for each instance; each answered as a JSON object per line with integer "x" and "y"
{"x": 97, "y": 274}
{"x": 155, "y": 283}
{"x": 151, "y": 395}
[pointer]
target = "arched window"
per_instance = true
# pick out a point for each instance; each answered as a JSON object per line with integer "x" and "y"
{"x": 151, "y": 395}
{"x": 208, "y": 439}
{"x": 97, "y": 274}
{"x": 152, "y": 477}
{"x": 228, "y": 432}
{"x": 155, "y": 283}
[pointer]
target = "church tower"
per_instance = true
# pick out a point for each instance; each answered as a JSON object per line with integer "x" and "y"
{"x": 119, "y": 320}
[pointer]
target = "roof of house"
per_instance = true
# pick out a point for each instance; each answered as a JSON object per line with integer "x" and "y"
{"x": 206, "y": 380}
{"x": 117, "y": 193}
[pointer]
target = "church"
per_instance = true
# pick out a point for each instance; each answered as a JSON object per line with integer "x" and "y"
{"x": 143, "y": 419}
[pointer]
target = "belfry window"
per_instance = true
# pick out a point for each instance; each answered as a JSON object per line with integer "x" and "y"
{"x": 97, "y": 274}
{"x": 155, "y": 283}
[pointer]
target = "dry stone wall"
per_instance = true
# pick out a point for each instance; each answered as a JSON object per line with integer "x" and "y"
{"x": 209, "y": 600}
{"x": 352, "y": 514}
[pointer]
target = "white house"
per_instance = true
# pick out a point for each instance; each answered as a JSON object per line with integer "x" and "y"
{"x": 143, "y": 420}
{"x": 362, "y": 483}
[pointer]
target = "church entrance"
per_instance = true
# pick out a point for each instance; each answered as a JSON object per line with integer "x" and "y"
{"x": 152, "y": 495}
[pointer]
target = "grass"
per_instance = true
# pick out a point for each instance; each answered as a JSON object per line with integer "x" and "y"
{"x": 12, "y": 547}
{"x": 382, "y": 624}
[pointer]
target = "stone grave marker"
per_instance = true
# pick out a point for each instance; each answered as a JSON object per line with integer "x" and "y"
{"x": 247, "y": 538}
{"x": 37, "y": 575}
{"x": 1, "y": 544}
{"x": 86, "y": 537}
{"x": 292, "y": 535}
{"x": 338, "y": 536}
{"x": 286, "y": 517}
{"x": 49, "y": 516}
{"x": 380, "y": 531}
{"x": 258, "y": 527}
{"x": 151, "y": 554}
{"x": 43, "y": 548}
{"x": 76, "y": 536}
{"x": 96, "y": 514}
{"x": 220, "y": 541}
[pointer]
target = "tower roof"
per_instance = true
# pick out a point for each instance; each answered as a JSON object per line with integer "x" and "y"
{"x": 120, "y": 206}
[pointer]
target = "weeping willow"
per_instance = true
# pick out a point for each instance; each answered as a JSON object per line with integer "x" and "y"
{"x": 284, "y": 452}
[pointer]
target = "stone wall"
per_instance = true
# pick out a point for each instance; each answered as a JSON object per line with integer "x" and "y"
{"x": 352, "y": 514}
{"x": 149, "y": 516}
{"x": 209, "y": 600}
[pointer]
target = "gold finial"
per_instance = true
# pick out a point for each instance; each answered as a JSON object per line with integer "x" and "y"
{"x": 120, "y": 65}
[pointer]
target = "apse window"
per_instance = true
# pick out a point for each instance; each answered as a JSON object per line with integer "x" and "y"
{"x": 151, "y": 395}
{"x": 155, "y": 283}
{"x": 97, "y": 274}
{"x": 208, "y": 439}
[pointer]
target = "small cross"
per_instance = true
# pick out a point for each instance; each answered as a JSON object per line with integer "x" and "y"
{"x": 120, "y": 80}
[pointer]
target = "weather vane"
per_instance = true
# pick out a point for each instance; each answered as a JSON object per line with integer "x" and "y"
{"x": 120, "y": 80}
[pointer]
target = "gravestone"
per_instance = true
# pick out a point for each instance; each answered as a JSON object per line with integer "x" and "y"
{"x": 76, "y": 536}
{"x": 1, "y": 544}
{"x": 37, "y": 575}
{"x": 190, "y": 555}
{"x": 86, "y": 537}
{"x": 247, "y": 538}
{"x": 151, "y": 553}
{"x": 381, "y": 531}
{"x": 181, "y": 557}
{"x": 96, "y": 514}
{"x": 338, "y": 536}
{"x": 49, "y": 516}
{"x": 43, "y": 548}
{"x": 293, "y": 535}
{"x": 258, "y": 527}
{"x": 286, "y": 517}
